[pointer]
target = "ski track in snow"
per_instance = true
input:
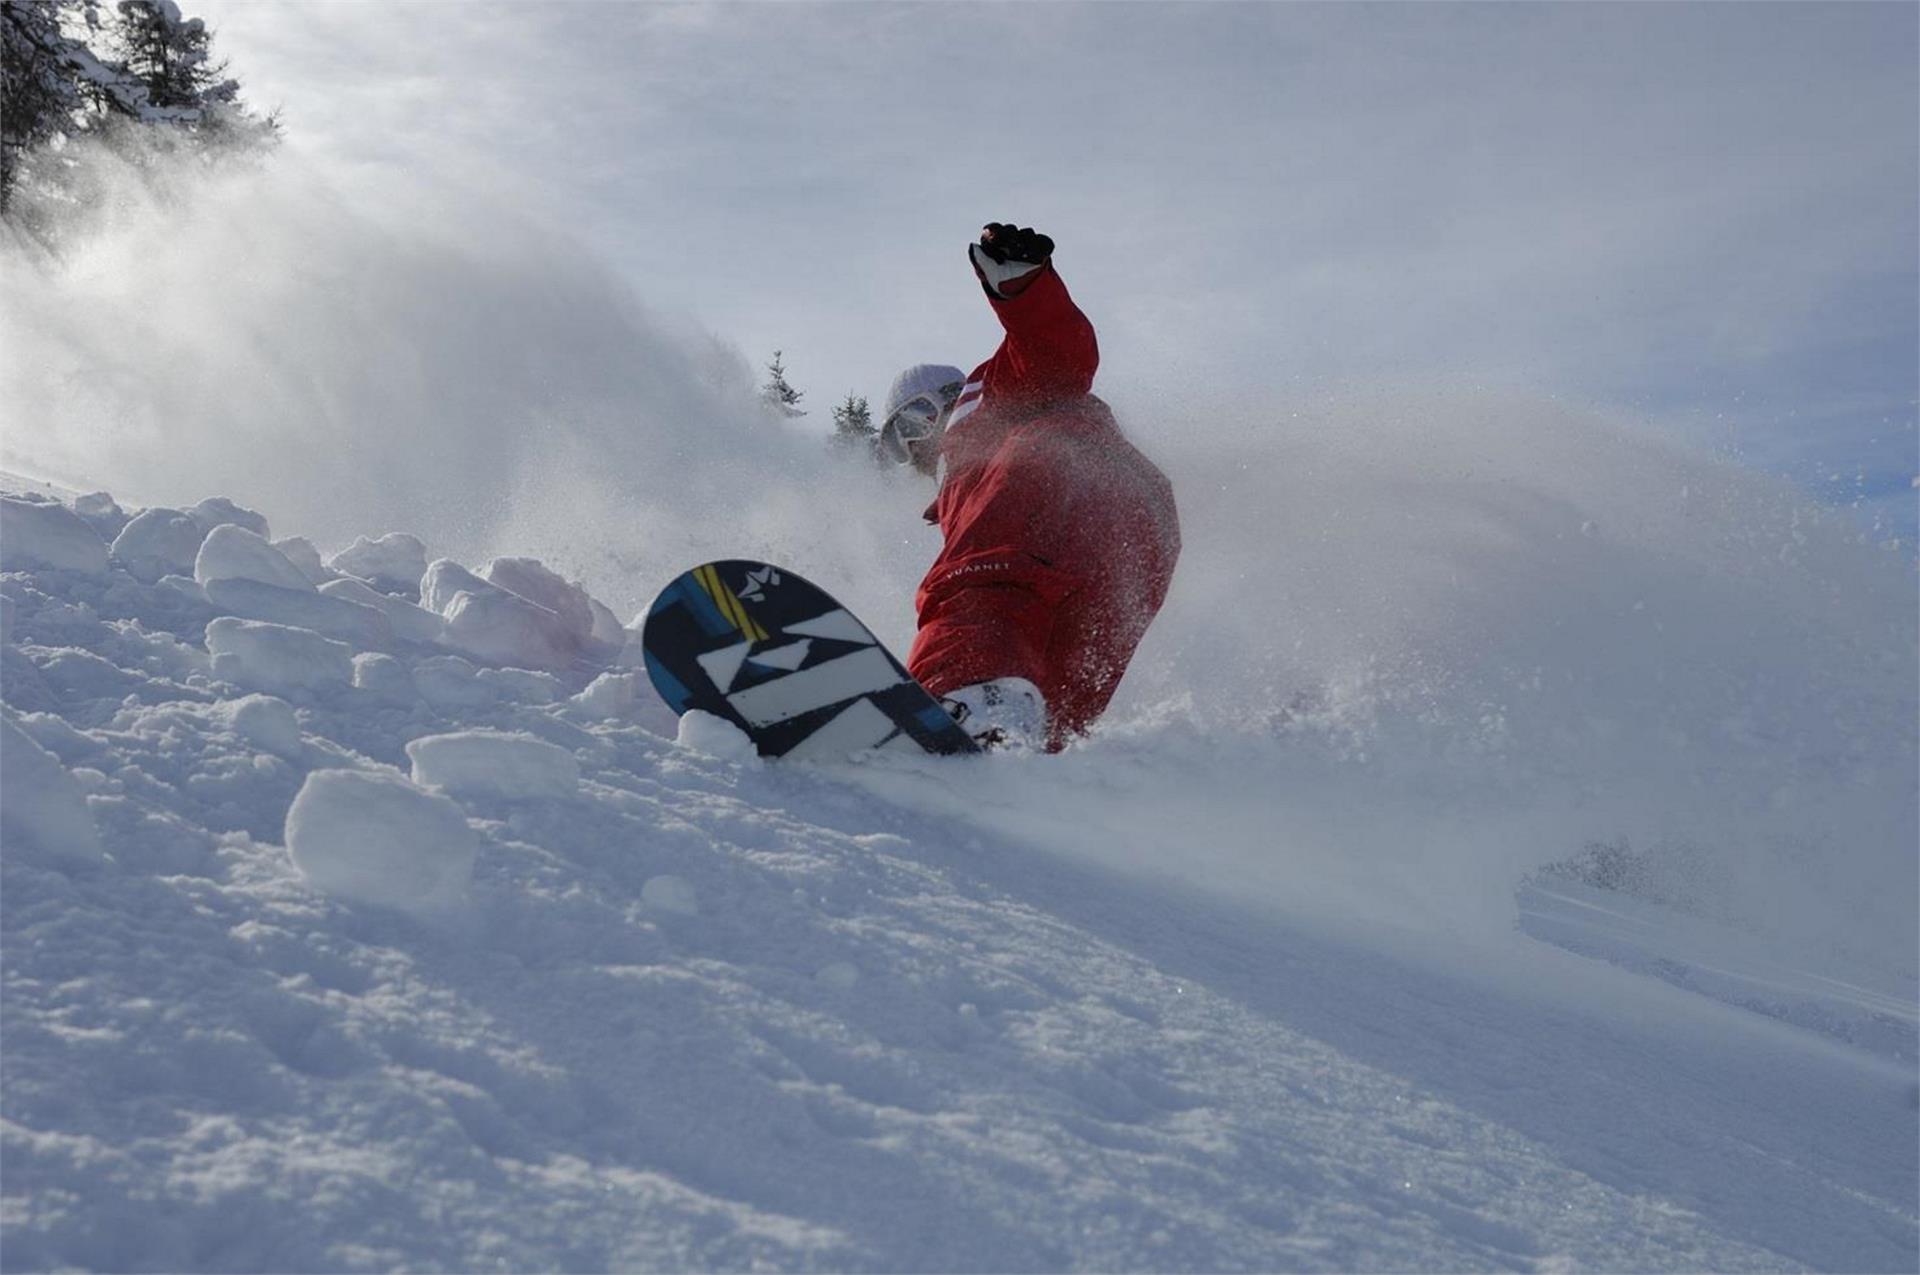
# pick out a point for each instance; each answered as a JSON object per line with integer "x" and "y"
{"x": 696, "y": 1011}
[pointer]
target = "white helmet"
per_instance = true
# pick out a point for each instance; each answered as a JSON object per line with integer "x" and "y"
{"x": 913, "y": 407}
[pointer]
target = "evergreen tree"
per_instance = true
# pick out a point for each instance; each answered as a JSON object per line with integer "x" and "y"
{"x": 39, "y": 93}
{"x": 171, "y": 58}
{"x": 777, "y": 394}
{"x": 853, "y": 427}
{"x": 68, "y": 74}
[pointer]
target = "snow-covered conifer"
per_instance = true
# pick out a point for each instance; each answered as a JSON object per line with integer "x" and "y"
{"x": 853, "y": 428}
{"x": 778, "y": 394}
{"x": 170, "y": 56}
{"x": 71, "y": 71}
{"x": 42, "y": 94}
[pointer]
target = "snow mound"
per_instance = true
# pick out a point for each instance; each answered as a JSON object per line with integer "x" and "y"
{"x": 362, "y": 627}
{"x": 443, "y": 580}
{"x": 703, "y": 732}
{"x": 157, "y": 543}
{"x": 374, "y": 838}
{"x": 102, "y": 513}
{"x": 243, "y": 575}
{"x": 451, "y": 683}
{"x": 505, "y": 628}
{"x": 533, "y": 580}
{"x": 409, "y": 623}
{"x": 277, "y": 657}
{"x": 43, "y": 813}
{"x": 393, "y": 563}
{"x": 607, "y": 630}
{"x": 523, "y": 685}
{"x": 266, "y": 722}
{"x": 300, "y": 552}
{"x": 522, "y": 614}
{"x": 218, "y": 511}
{"x": 231, "y": 552}
{"x": 482, "y": 763}
{"x": 384, "y": 678}
{"x": 37, "y": 533}
{"x": 611, "y": 694}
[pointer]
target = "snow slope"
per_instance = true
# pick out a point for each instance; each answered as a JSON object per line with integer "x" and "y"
{"x": 443, "y": 965}
{"x": 361, "y": 908}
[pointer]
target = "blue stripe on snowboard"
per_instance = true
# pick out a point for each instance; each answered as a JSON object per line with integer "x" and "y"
{"x": 677, "y": 696}
{"x": 687, "y": 592}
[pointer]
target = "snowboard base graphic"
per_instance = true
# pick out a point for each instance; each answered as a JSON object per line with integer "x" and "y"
{"x": 779, "y": 658}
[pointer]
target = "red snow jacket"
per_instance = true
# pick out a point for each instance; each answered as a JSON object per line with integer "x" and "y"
{"x": 1060, "y": 537}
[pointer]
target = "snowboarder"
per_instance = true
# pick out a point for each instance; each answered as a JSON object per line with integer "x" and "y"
{"x": 1060, "y": 537}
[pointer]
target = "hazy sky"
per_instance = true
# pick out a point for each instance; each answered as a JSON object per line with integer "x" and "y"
{"x": 1703, "y": 216}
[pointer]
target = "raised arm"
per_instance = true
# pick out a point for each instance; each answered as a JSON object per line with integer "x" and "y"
{"x": 1049, "y": 352}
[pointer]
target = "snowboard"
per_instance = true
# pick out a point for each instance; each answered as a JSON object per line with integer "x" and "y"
{"x": 779, "y": 658}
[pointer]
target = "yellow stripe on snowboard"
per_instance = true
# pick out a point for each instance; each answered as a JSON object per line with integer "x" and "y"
{"x": 730, "y": 606}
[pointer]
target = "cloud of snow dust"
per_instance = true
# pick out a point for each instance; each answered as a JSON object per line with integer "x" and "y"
{"x": 356, "y": 351}
{"x": 1421, "y": 641}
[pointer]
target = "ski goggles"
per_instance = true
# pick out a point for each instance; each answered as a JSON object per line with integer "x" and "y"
{"x": 917, "y": 420}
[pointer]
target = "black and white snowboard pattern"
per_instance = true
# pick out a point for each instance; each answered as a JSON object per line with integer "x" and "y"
{"x": 780, "y": 659}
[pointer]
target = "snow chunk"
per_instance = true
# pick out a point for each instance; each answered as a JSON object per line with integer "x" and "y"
{"x": 632, "y": 655}
{"x": 409, "y": 622}
{"x": 102, "y": 513}
{"x": 232, "y": 552}
{"x": 704, "y": 732}
{"x": 500, "y": 625}
{"x": 670, "y": 894}
{"x": 183, "y": 586}
{"x": 43, "y": 812}
{"x": 607, "y": 630}
{"x": 534, "y": 581}
{"x": 58, "y": 738}
{"x": 218, "y": 511}
{"x": 158, "y": 543}
{"x": 265, "y": 722}
{"x": 593, "y": 629}
{"x": 375, "y": 838}
{"x": 445, "y": 579}
{"x": 484, "y": 763}
{"x": 300, "y": 552}
{"x": 393, "y": 564}
{"x": 384, "y": 677}
{"x": 505, "y": 628}
{"x": 609, "y": 695}
{"x": 449, "y": 682}
{"x": 46, "y": 534}
{"x": 276, "y": 657}
{"x": 523, "y": 686}
{"x": 359, "y": 626}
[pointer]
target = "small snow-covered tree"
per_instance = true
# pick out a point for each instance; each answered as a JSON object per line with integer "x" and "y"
{"x": 853, "y": 424}
{"x": 777, "y": 394}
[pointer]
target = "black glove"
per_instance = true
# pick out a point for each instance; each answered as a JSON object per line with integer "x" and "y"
{"x": 1007, "y": 252}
